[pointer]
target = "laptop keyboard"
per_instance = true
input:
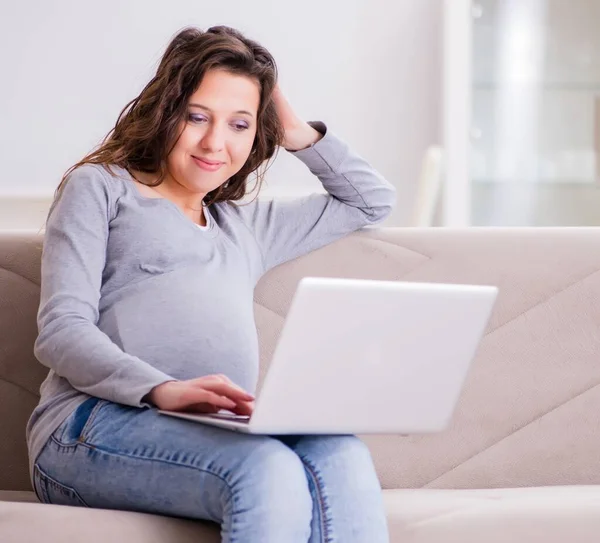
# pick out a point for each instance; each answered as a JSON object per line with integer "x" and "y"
{"x": 230, "y": 416}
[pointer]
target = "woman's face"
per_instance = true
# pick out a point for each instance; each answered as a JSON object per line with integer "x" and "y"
{"x": 217, "y": 136}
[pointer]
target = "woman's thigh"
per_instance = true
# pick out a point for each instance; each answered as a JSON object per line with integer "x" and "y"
{"x": 112, "y": 456}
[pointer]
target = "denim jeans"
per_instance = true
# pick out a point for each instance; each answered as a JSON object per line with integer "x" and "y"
{"x": 258, "y": 488}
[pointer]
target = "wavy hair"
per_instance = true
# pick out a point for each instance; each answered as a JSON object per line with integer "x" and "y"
{"x": 149, "y": 126}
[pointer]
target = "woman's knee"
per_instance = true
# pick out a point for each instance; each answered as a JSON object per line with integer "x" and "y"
{"x": 345, "y": 449}
{"x": 271, "y": 482}
{"x": 334, "y": 457}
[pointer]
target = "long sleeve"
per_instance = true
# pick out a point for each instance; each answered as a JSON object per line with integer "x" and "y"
{"x": 73, "y": 259}
{"x": 357, "y": 196}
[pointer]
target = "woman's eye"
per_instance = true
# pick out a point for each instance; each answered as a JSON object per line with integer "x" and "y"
{"x": 197, "y": 118}
{"x": 239, "y": 126}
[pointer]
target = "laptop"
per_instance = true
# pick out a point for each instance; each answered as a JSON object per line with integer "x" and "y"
{"x": 359, "y": 356}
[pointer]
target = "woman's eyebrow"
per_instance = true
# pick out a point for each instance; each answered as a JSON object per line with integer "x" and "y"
{"x": 240, "y": 112}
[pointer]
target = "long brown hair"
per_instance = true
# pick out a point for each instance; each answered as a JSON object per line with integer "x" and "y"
{"x": 149, "y": 126}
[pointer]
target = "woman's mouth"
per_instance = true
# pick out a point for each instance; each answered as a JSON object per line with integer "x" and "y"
{"x": 208, "y": 165}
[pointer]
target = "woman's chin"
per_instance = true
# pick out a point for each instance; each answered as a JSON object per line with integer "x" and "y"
{"x": 201, "y": 186}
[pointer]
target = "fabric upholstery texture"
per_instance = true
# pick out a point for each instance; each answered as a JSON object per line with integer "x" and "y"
{"x": 520, "y": 459}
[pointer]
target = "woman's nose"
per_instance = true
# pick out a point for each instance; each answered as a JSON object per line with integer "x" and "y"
{"x": 213, "y": 139}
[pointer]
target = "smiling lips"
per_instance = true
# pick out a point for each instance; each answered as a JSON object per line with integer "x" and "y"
{"x": 208, "y": 165}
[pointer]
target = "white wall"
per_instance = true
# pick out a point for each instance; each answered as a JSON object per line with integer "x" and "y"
{"x": 369, "y": 68}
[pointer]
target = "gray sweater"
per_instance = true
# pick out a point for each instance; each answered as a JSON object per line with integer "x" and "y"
{"x": 134, "y": 294}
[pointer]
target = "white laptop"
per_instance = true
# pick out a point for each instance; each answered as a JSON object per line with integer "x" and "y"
{"x": 363, "y": 356}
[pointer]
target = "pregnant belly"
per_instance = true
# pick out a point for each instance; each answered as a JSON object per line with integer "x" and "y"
{"x": 186, "y": 327}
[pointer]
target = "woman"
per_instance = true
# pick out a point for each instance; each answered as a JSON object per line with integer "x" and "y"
{"x": 148, "y": 271}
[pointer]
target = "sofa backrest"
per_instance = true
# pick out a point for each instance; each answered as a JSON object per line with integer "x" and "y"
{"x": 20, "y": 373}
{"x": 530, "y": 410}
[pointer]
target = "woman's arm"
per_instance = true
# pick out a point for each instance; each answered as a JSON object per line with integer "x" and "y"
{"x": 357, "y": 195}
{"x": 73, "y": 258}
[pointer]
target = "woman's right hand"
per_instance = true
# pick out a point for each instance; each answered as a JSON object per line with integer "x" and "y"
{"x": 206, "y": 394}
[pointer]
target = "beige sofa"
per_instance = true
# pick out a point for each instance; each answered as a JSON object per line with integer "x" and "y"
{"x": 521, "y": 458}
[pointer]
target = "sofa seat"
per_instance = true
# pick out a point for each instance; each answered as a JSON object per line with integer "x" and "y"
{"x": 554, "y": 514}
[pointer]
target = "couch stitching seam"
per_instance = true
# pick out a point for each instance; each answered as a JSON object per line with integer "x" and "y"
{"x": 562, "y": 404}
{"x": 544, "y": 301}
{"x": 19, "y": 275}
{"x": 20, "y": 387}
{"x": 397, "y": 245}
{"x": 269, "y": 309}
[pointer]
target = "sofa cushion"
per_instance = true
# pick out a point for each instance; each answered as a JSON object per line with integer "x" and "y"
{"x": 32, "y": 522}
{"x": 519, "y": 515}
{"x": 18, "y": 496}
{"x": 530, "y": 410}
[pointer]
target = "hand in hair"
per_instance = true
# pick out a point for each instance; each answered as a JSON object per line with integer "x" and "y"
{"x": 298, "y": 133}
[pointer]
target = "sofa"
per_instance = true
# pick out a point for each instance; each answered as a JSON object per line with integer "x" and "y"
{"x": 520, "y": 461}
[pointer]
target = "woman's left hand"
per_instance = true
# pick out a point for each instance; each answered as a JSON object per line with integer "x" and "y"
{"x": 298, "y": 133}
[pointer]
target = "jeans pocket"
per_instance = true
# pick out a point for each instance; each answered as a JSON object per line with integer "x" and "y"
{"x": 72, "y": 430}
{"x": 49, "y": 490}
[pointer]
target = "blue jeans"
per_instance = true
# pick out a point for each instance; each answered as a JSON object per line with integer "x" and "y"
{"x": 258, "y": 488}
